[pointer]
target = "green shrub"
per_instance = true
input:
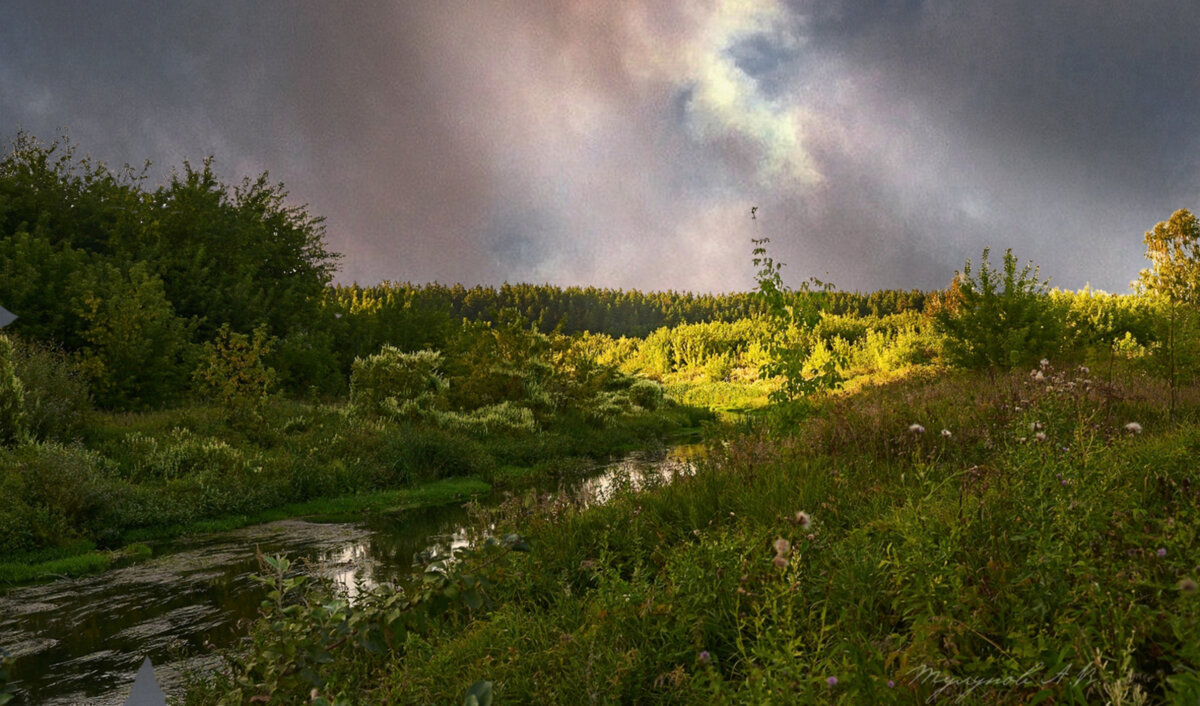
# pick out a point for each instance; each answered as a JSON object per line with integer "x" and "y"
{"x": 646, "y": 394}
{"x": 415, "y": 455}
{"x": 57, "y": 399}
{"x": 12, "y": 397}
{"x": 999, "y": 319}
{"x": 136, "y": 351}
{"x": 234, "y": 374}
{"x": 502, "y": 418}
{"x": 397, "y": 384}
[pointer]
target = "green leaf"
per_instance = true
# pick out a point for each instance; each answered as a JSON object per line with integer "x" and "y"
{"x": 479, "y": 694}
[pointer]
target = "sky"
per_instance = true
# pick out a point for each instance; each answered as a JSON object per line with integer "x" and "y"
{"x": 622, "y": 143}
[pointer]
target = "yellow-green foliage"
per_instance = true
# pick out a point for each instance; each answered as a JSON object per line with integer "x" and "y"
{"x": 693, "y": 345}
{"x": 234, "y": 374}
{"x": 1097, "y": 318}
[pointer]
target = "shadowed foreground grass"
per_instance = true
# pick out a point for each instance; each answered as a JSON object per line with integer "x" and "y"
{"x": 1036, "y": 550}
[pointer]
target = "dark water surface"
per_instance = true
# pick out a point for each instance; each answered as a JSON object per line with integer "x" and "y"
{"x": 80, "y": 641}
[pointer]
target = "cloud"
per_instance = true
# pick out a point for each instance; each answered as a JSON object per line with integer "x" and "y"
{"x": 622, "y": 144}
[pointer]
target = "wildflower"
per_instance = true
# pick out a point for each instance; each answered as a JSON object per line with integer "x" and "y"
{"x": 704, "y": 657}
{"x": 782, "y": 549}
{"x": 1040, "y": 436}
{"x": 831, "y": 681}
{"x": 1044, "y": 364}
{"x": 1133, "y": 428}
{"x": 946, "y": 433}
{"x": 916, "y": 428}
{"x": 1187, "y": 585}
{"x": 1084, "y": 369}
{"x": 1037, "y": 375}
{"x": 802, "y": 518}
{"x": 1036, "y": 426}
{"x": 1162, "y": 552}
{"x": 1064, "y": 481}
{"x": 891, "y": 684}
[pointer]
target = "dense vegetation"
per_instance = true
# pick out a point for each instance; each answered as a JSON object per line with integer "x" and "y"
{"x": 985, "y": 494}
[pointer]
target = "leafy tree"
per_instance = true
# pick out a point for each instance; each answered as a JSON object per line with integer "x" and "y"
{"x": 136, "y": 351}
{"x": 802, "y": 368}
{"x": 233, "y": 372}
{"x": 998, "y": 319}
{"x": 40, "y": 281}
{"x": 236, "y": 256}
{"x": 1173, "y": 249}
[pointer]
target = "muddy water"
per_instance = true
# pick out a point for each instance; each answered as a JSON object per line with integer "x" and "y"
{"x": 81, "y": 641}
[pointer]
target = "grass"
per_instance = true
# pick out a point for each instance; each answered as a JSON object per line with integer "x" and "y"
{"x": 341, "y": 508}
{"x": 89, "y": 562}
{"x": 935, "y": 566}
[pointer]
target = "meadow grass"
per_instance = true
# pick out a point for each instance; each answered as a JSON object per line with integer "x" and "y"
{"x": 984, "y": 565}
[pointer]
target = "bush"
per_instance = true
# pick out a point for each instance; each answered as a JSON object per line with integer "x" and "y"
{"x": 998, "y": 320}
{"x": 492, "y": 419}
{"x": 646, "y": 394}
{"x": 136, "y": 350}
{"x": 417, "y": 455}
{"x": 12, "y": 397}
{"x": 63, "y": 491}
{"x": 233, "y": 372}
{"x": 56, "y": 393}
{"x": 398, "y": 384}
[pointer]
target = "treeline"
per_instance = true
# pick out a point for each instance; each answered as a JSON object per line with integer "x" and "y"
{"x": 134, "y": 280}
{"x": 572, "y": 310}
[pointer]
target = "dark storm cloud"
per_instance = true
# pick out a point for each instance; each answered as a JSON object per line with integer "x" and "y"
{"x": 623, "y": 144}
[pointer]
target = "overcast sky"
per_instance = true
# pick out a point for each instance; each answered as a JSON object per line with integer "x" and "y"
{"x": 622, "y": 143}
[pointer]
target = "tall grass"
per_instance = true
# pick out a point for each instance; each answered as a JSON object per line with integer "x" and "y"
{"x": 985, "y": 565}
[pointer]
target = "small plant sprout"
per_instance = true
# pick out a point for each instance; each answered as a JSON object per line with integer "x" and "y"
{"x": 1133, "y": 428}
{"x": 946, "y": 433}
{"x": 916, "y": 428}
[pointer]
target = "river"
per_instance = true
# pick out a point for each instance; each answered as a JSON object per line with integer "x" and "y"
{"x": 80, "y": 641}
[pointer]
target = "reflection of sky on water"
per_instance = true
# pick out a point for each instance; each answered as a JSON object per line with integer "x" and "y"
{"x": 379, "y": 557}
{"x": 82, "y": 640}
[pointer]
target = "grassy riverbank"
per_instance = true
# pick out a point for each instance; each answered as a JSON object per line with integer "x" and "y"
{"x": 134, "y": 478}
{"x": 84, "y": 558}
{"x": 1039, "y": 534}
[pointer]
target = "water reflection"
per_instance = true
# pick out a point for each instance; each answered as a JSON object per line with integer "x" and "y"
{"x": 82, "y": 640}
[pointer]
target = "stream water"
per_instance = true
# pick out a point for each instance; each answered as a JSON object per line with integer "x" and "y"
{"x": 80, "y": 641}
